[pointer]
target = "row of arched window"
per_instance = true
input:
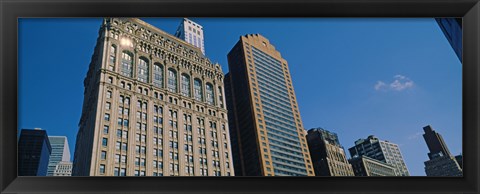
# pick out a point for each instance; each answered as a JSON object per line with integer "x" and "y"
{"x": 126, "y": 69}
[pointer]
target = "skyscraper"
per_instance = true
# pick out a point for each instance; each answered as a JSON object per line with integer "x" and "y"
{"x": 192, "y": 33}
{"x": 60, "y": 152}
{"x": 33, "y": 152}
{"x": 435, "y": 143}
{"x": 268, "y": 138}
{"x": 328, "y": 156}
{"x": 441, "y": 162}
{"x": 381, "y": 150}
{"x": 153, "y": 106}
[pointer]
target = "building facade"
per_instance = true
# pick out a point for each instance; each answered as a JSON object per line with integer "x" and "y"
{"x": 268, "y": 138}
{"x": 60, "y": 152}
{"x": 192, "y": 33}
{"x": 63, "y": 168}
{"x": 153, "y": 106}
{"x": 381, "y": 150}
{"x": 366, "y": 166}
{"x": 33, "y": 152}
{"x": 328, "y": 156}
{"x": 441, "y": 162}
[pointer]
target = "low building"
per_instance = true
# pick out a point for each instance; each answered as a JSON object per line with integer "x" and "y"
{"x": 366, "y": 166}
{"x": 63, "y": 168}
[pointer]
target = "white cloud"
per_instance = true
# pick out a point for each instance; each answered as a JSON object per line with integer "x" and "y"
{"x": 399, "y": 83}
{"x": 415, "y": 136}
{"x": 380, "y": 85}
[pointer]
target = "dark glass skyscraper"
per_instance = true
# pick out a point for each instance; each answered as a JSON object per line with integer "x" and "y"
{"x": 33, "y": 152}
{"x": 267, "y": 133}
{"x": 435, "y": 143}
{"x": 452, "y": 29}
{"x": 441, "y": 162}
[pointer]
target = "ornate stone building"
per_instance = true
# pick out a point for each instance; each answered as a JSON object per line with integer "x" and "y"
{"x": 153, "y": 106}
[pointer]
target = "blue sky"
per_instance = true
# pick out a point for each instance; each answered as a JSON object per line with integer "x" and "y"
{"x": 356, "y": 77}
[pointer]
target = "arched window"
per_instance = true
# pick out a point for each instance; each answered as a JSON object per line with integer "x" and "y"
{"x": 185, "y": 85}
{"x": 113, "y": 54}
{"x": 220, "y": 96}
{"x": 209, "y": 94}
{"x": 143, "y": 70}
{"x": 158, "y": 75}
{"x": 197, "y": 90}
{"x": 126, "y": 64}
{"x": 172, "y": 80}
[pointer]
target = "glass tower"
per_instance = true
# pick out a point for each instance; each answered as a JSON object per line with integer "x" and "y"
{"x": 33, "y": 152}
{"x": 60, "y": 152}
{"x": 267, "y": 133}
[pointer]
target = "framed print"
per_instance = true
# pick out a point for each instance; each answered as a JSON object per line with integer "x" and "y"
{"x": 230, "y": 96}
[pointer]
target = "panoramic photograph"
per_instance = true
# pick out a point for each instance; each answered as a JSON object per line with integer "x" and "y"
{"x": 240, "y": 97}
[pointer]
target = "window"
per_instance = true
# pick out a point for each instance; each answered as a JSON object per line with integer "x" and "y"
{"x": 197, "y": 90}
{"x": 143, "y": 70}
{"x": 220, "y": 96}
{"x": 104, "y": 142}
{"x": 102, "y": 169}
{"x": 109, "y": 94}
{"x": 113, "y": 52}
{"x": 185, "y": 87}
{"x": 105, "y": 129}
{"x": 157, "y": 75}
{"x": 209, "y": 90}
{"x": 107, "y": 117}
{"x": 117, "y": 145}
{"x": 122, "y": 172}
{"x": 172, "y": 80}
{"x": 119, "y": 133}
{"x": 126, "y": 64}
{"x": 104, "y": 155}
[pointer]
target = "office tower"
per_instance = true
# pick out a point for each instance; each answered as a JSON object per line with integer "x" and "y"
{"x": 381, "y": 150}
{"x": 328, "y": 156}
{"x": 192, "y": 33}
{"x": 60, "y": 152}
{"x": 452, "y": 29}
{"x": 441, "y": 162}
{"x": 366, "y": 166}
{"x": 268, "y": 138}
{"x": 63, "y": 168}
{"x": 153, "y": 106}
{"x": 435, "y": 143}
{"x": 33, "y": 152}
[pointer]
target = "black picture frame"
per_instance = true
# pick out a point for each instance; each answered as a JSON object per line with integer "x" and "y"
{"x": 11, "y": 10}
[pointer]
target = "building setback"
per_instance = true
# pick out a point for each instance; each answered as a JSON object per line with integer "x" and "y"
{"x": 192, "y": 33}
{"x": 381, "y": 150}
{"x": 33, "y": 152}
{"x": 268, "y": 138}
{"x": 366, "y": 166}
{"x": 60, "y": 152}
{"x": 153, "y": 106}
{"x": 328, "y": 156}
{"x": 441, "y": 162}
